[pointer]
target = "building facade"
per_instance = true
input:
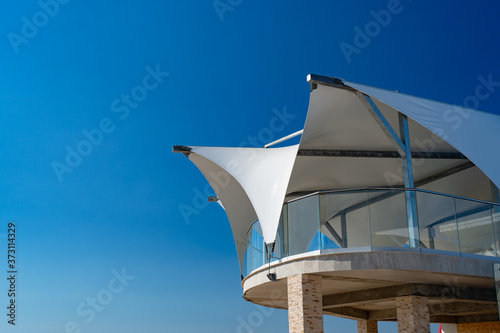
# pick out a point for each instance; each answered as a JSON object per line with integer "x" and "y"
{"x": 387, "y": 210}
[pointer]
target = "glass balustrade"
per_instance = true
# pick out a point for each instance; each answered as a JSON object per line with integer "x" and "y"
{"x": 375, "y": 220}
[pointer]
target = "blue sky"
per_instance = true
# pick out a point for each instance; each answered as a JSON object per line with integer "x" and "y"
{"x": 135, "y": 78}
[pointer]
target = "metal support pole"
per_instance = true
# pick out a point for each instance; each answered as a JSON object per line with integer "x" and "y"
{"x": 382, "y": 122}
{"x": 269, "y": 251}
{"x": 432, "y": 234}
{"x": 288, "y": 137}
{"x": 494, "y": 214}
{"x": 402, "y": 145}
{"x": 343, "y": 223}
{"x": 410, "y": 196}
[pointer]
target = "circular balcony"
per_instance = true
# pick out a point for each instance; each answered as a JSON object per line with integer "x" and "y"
{"x": 376, "y": 219}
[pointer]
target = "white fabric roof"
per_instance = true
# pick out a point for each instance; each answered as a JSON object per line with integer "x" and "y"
{"x": 262, "y": 173}
{"x": 474, "y": 133}
{"x": 255, "y": 182}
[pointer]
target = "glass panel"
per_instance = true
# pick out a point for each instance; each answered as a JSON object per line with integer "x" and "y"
{"x": 388, "y": 222}
{"x": 437, "y": 223}
{"x": 495, "y": 211}
{"x": 496, "y": 274}
{"x": 246, "y": 270}
{"x": 255, "y": 253}
{"x": 475, "y": 227}
{"x": 280, "y": 244}
{"x": 360, "y": 218}
{"x": 344, "y": 220}
{"x": 303, "y": 225}
{"x": 247, "y": 264}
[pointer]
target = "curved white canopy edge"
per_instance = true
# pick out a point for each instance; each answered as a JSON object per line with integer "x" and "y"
{"x": 262, "y": 173}
{"x": 238, "y": 207}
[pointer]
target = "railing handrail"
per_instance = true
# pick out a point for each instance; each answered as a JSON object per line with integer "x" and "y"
{"x": 356, "y": 189}
{"x": 393, "y": 236}
{"x": 251, "y": 225}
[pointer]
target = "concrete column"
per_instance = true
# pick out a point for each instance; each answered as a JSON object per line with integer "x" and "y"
{"x": 413, "y": 314}
{"x": 367, "y": 326}
{"x": 305, "y": 304}
{"x": 485, "y": 327}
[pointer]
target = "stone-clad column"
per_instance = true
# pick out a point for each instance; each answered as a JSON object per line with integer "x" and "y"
{"x": 367, "y": 326}
{"x": 413, "y": 314}
{"x": 305, "y": 304}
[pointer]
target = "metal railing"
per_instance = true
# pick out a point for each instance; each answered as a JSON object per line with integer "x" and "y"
{"x": 376, "y": 218}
